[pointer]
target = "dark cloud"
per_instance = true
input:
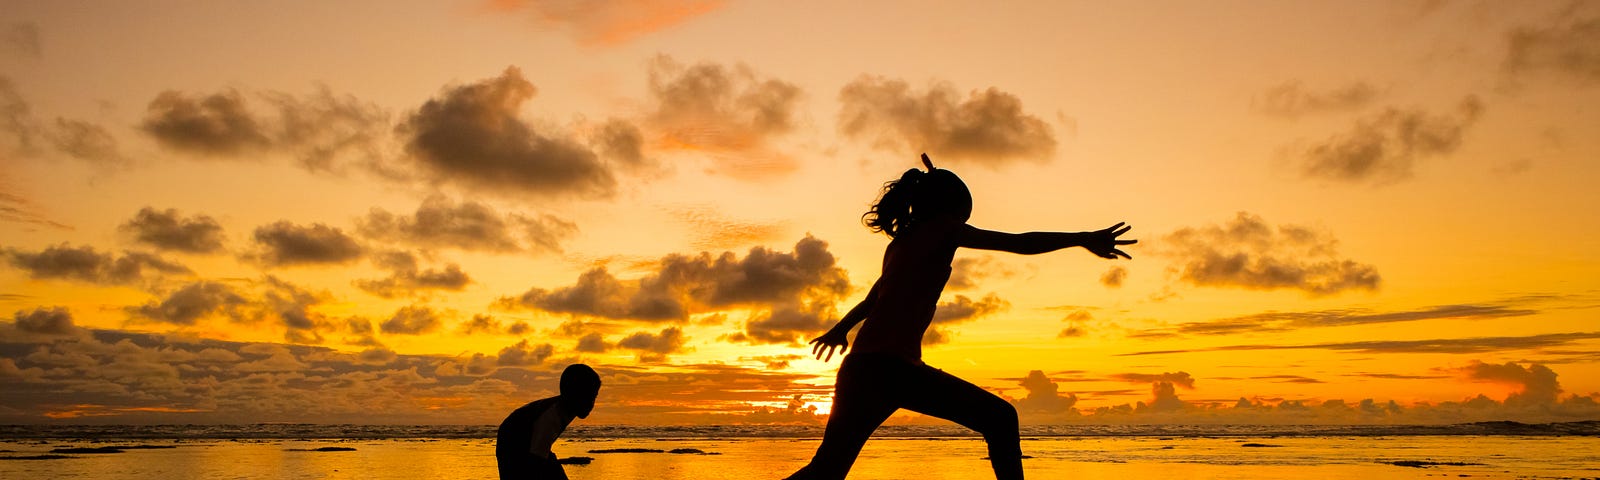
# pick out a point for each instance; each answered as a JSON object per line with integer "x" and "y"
{"x": 83, "y": 263}
{"x": 167, "y": 230}
{"x": 610, "y": 23}
{"x": 21, "y": 39}
{"x": 86, "y": 141}
{"x": 987, "y": 128}
{"x": 45, "y": 321}
{"x": 960, "y": 309}
{"x": 194, "y": 301}
{"x": 1566, "y": 49}
{"x": 412, "y": 320}
{"x": 730, "y": 112}
{"x": 217, "y": 124}
{"x": 773, "y": 362}
{"x": 1381, "y": 148}
{"x": 471, "y": 135}
{"x": 1043, "y": 396}
{"x": 481, "y": 324}
{"x": 1181, "y": 379}
{"x": 680, "y": 285}
{"x": 592, "y": 343}
{"x": 523, "y": 354}
{"x": 440, "y": 223}
{"x": 789, "y": 324}
{"x": 1538, "y": 382}
{"x": 1284, "y": 321}
{"x": 320, "y": 129}
{"x": 623, "y": 143}
{"x": 654, "y": 347}
{"x": 1292, "y": 99}
{"x": 1163, "y": 398}
{"x": 1249, "y": 253}
{"x": 292, "y": 307}
{"x": 1113, "y": 278}
{"x": 1442, "y": 345}
{"x": 283, "y": 243}
{"x": 406, "y": 278}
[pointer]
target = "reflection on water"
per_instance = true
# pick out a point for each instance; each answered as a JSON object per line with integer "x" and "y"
{"x": 921, "y": 458}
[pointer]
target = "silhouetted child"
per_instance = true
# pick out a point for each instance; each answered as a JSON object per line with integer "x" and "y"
{"x": 925, "y": 213}
{"x": 522, "y": 445}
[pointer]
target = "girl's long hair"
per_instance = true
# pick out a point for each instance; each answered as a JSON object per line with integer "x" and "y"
{"x": 892, "y": 212}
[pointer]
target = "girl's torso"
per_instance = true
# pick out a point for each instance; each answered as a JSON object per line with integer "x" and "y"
{"x": 916, "y": 266}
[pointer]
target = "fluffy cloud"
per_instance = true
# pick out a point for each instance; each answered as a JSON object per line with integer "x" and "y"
{"x": 805, "y": 281}
{"x": 407, "y": 278}
{"x": 1043, "y": 396}
{"x": 1249, "y": 253}
{"x": 708, "y": 107}
{"x": 45, "y": 321}
{"x": 957, "y": 310}
{"x": 1538, "y": 382}
{"x": 1566, "y": 49}
{"x": 283, "y": 243}
{"x": 320, "y": 129}
{"x": 654, "y": 347}
{"x": 83, "y": 263}
{"x": 967, "y": 272}
{"x": 714, "y": 230}
{"x": 194, "y": 301}
{"x": 471, "y": 135}
{"x": 987, "y": 128}
{"x": 217, "y": 124}
{"x": 167, "y": 230}
{"x": 1381, "y": 148}
{"x": 1292, "y": 99}
{"x": 440, "y": 223}
{"x": 609, "y": 23}
{"x": 523, "y": 354}
{"x": 412, "y": 320}
{"x": 788, "y": 324}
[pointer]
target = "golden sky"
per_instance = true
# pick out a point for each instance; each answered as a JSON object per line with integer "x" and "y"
{"x": 419, "y": 212}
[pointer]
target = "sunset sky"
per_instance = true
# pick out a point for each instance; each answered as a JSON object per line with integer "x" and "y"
{"x": 420, "y": 211}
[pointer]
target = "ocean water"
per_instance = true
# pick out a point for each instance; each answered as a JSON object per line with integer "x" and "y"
{"x": 1491, "y": 450}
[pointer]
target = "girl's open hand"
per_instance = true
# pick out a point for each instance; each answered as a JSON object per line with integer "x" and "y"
{"x": 1104, "y": 242}
{"x": 828, "y": 342}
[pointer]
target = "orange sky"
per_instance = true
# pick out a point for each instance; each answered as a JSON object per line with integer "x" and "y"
{"x": 420, "y": 211}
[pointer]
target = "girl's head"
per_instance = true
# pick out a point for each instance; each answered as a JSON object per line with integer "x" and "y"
{"x": 919, "y": 196}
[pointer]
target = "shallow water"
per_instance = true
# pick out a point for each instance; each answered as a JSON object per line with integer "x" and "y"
{"x": 920, "y": 458}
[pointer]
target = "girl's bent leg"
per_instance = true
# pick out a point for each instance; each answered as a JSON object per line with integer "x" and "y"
{"x": 935, "y": 393}
{"x": 859, "y": 406}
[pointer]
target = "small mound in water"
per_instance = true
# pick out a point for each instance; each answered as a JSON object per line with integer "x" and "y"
{"x": 323, "y": 449}
{"x": 1426, "y": 463}
{"x": 91, "y": 450}
{"x": 575, "y": 460}
{"x": 1260, "y": 445}
{"x": 38, "y": 457}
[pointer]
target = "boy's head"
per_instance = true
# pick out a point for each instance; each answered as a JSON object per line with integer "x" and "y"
{"x": 579, "y": 387}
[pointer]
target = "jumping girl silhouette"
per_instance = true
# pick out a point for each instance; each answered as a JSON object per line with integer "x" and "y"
{"x": 925, "y": 213}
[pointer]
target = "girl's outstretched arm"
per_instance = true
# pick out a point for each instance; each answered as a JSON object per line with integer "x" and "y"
{"x": 838, "y": 337}
{"x": 1102, "y": 242}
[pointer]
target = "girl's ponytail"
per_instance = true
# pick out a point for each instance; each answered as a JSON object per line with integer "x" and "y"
{"x": 892, "y": 212}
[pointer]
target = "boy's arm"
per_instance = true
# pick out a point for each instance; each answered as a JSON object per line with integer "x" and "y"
{"x": 1102, "y": 242}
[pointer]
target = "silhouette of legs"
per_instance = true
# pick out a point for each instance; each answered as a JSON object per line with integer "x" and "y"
{"x": 871, "y": 387}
